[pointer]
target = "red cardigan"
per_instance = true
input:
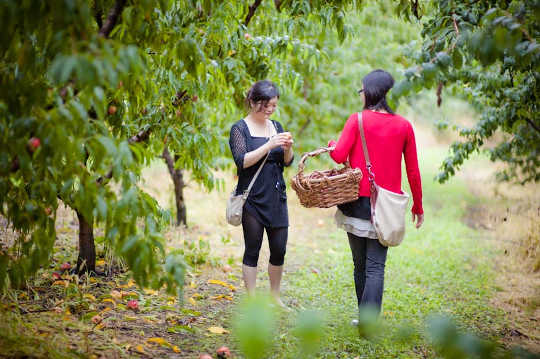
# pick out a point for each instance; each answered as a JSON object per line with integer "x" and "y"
{"x": 387, "y": 137}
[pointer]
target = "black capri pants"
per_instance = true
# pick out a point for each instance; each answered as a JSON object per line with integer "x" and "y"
{"x": 253, "y": 236}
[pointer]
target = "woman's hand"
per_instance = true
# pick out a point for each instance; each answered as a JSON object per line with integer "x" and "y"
{"x": 419, "y": 219}
{"x": 281, "y": 139}
{"x": 288, "y": 141}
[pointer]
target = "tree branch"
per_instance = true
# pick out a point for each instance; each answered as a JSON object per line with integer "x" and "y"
{"x": 98, "y": 14}
{"x": 112, "y": 18}
{"x": 168, "y": 159}
{"x": 456, "y": 29}
{"x": 251, "y": 11}
{"x": 141, "y": 136}
{"x": 439, "y": 93}
{"x": 414, "y": 6}
{"x": 533, "y": 125}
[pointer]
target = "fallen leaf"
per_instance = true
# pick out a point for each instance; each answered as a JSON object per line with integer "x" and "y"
{"x": 315, "y": 270}
{"x": 89, "y": 296}
{"x": 222, "y": 296}
{"x": 158, "y": 340}
{"x": 219, "y": 282}
{"x": 175, "y": 349}
{"x": 139, "y": 348}
{"x": 127, "y": 294}
{"x": 218, "y": 330}
{"x": 192, "y": 284}
{"x": 116, "y": 294}
{"x": 96, "y": 319}
{"x": 109, "y": 300}
{"x": 151, "y": 292}
{"x": 100, "y": 325}
{"x": 192, "y": 301}
{"x": 100, "y": 262}
{"x": 129, "y": 318}
{"x": 105, "y": 310}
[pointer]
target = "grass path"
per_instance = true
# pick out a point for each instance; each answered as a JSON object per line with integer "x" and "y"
{"x": 446, "y": 267}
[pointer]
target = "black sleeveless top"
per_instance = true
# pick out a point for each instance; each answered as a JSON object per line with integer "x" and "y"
{"x": 267, "y": 200}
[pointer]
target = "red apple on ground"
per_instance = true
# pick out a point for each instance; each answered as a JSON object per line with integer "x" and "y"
{"x": 223, "y": 353}
{"x": 195, "y": 98}
{"x": 112, "y": 109}
{"x": 133, "y": 305}
{"x": 247, "y": 36}
{"x": 65, "y": 266}
{"x": 205, "y": 356}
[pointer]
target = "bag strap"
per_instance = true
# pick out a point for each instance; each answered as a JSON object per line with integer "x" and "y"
{"x": 246, "y": 192}
{"x": 371, "y": 175}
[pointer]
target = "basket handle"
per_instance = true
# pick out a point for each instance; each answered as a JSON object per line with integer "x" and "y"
{"x": 313, "y": 154}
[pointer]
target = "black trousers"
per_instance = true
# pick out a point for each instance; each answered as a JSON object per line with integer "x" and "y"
{"x": 253, "y": 236}
{"x": 369, "y": 258}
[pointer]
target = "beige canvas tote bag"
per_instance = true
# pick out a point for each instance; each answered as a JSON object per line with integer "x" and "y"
{"x": 235, "y": 204}
{"x": 388, "y": 208}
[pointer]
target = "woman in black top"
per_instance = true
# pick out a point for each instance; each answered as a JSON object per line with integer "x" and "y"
{"x": 251, "y": 139}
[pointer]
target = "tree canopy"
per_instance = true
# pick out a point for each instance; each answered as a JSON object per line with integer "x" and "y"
{"x": 488, "y": 53}
{"x": 91, "y": 91}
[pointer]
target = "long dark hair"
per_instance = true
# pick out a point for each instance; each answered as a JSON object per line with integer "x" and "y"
{"x": 376, "y": 85}
{"x": 261, "y": 93}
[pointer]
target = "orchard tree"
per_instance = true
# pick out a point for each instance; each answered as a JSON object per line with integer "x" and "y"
{"x": 488, "y": 52}
{"x": 249, "y": 43}
{"x": 92, "y": 91}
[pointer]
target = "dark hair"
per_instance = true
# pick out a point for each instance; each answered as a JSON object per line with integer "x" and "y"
{"x": 261, "y": 92}
{"x": 376, "y": 85}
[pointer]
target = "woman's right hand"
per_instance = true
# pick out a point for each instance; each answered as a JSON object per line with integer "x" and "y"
{"x": 277, "y": 140}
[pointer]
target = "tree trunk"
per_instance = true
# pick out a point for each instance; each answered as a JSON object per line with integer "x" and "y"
{"x": 86, "y": 262}
{"x": 178, "y": 181}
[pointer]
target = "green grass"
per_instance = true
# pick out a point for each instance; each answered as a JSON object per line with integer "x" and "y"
{"x": 446, "y": 267}
{"x": 442, "y": 268}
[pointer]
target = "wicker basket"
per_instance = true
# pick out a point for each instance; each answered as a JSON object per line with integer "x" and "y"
{"x": 327, "y": 188}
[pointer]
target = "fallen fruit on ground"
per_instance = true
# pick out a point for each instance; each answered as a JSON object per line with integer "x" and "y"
{"x": 65, "y": 266}
{"x": 223, "y": 352}
{"x": 133, "y": 305}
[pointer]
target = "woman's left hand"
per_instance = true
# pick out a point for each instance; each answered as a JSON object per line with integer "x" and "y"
{"x": 288, "y": 142}
{"x": 419, "y": 219}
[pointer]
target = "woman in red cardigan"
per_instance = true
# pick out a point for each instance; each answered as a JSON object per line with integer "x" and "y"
{"x": 388, "y": 137}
